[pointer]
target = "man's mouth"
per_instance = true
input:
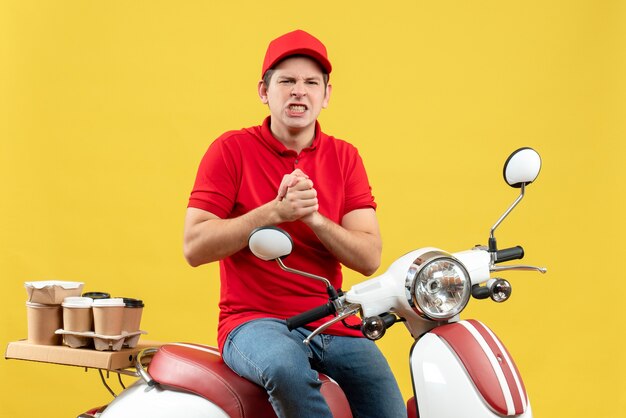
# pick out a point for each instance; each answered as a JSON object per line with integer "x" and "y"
{"x": 297, "y": 108}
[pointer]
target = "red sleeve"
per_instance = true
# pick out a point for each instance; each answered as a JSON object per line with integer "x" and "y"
{"x": 216, "y": 182}
{"x": 358, "y": 190}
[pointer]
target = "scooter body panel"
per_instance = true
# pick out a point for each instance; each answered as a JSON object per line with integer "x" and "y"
{"x": 444, "y": 388}
{"x": 143, "y": 401}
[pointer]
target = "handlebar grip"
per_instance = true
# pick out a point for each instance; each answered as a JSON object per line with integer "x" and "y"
{"x": 310, "y": 316}
{"x": 513, "y": 253}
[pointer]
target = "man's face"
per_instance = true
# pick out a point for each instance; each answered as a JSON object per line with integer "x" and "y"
{"x": 296, "y": 95}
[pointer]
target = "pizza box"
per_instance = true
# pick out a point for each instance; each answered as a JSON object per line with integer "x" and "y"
{"x": 81, "y": 357}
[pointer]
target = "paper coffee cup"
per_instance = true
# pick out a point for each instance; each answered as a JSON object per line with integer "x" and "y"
{"x": 108, "y": 316}
{"x": 43, "y": 321}
{"x": 77, "y": 314}
{"x": 132, "y": 314}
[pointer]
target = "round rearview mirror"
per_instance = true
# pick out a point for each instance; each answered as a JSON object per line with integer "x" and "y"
{"x": 522, "y": 167}
{"x": 270, "y": 243}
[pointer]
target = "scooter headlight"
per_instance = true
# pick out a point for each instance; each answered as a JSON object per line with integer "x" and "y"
{"x": 439, "y": 285}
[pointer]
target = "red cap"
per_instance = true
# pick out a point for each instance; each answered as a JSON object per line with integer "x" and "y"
{"x": 297, "y": 42}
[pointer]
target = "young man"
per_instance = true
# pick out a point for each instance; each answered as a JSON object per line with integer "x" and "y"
{"x": 287, "y": 172}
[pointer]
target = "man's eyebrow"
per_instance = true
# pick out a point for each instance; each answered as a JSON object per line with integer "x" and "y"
{"x": 293, "y": 77}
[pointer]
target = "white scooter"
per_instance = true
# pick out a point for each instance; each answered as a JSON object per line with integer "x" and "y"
{"x": 459, "y": 367}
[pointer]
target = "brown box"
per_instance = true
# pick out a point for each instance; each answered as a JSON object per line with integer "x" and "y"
{"x": 52, "y": 292}
{"x": 108, "y": 360}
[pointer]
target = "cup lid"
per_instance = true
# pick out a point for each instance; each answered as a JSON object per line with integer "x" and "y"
{"x": 97, "y": 295}
{"x": 77, "y": 302}
{"x": 133, "y": 303}
{"x": 109, "y": 302}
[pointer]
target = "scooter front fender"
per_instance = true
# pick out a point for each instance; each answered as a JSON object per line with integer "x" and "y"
{"x": 462, "y": 369}
{"x": 142, "y": 401}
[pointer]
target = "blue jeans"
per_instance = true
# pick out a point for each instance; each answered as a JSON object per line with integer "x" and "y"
{"x": 264, "y": 351}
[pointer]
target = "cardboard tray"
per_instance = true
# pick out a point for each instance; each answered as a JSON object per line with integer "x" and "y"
{"x": 82, "y": 357}
{"x": 100, "y": 342}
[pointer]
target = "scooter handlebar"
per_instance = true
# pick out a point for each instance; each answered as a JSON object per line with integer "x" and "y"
{"x": 513, "y": 253}
{"x": 310, "y": 316}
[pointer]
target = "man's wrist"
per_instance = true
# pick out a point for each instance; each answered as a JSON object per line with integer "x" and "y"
{"x": 315, "y": 220}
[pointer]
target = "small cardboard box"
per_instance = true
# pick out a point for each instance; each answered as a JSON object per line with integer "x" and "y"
{"x": 83, "y": 357}
{"x": 52, "y": 292}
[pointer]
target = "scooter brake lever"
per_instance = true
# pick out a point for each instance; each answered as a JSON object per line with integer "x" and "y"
{"x": 347, "y": 312}
{"x": 542, "y": 270}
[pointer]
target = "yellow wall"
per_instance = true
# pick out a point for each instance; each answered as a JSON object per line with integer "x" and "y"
{"x": 107, "y": 106}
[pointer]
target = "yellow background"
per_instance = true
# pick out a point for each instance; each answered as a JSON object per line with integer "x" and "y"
{"x": 106, "y": 108}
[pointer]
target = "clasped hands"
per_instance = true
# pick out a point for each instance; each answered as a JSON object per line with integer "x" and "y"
{"x": 297, "y": 198}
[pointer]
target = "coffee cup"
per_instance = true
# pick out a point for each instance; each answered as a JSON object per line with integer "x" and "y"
{"x": 77, "y": 314}
{"x": 132, "y": 314}
{"x": 43, "y": 321}
{"x": 108, "y": 316}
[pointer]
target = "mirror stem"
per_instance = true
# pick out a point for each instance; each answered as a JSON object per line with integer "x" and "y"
{"x": 492, "y": 239}
{"x": 332, "y": 293}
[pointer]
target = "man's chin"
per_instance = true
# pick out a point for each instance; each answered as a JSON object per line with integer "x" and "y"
{"x": 298, "y": 122}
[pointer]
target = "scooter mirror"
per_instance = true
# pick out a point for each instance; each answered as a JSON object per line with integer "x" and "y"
{"x": 270, "y": 243}
{"x": 522, "y": 167}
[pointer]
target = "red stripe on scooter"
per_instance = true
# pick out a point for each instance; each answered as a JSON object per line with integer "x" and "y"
{"x": 518, "y": 392}
{"x": 476, "y": 363}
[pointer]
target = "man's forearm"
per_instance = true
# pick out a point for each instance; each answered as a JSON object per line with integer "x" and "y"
{"x": 355, "y": 249}
{"x": 214, "y": 238}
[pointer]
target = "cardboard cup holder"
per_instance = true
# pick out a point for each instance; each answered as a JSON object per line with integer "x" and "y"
{"x": 75, "y": 339}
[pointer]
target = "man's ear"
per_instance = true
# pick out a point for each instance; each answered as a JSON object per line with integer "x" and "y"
{"x": 329, "y": 89}
{"x": 262, "y": 87}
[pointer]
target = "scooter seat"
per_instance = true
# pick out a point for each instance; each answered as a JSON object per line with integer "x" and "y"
{"x": 199, "y": 369}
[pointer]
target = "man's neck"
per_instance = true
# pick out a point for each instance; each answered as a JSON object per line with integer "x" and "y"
{"x": 295, "y": 139}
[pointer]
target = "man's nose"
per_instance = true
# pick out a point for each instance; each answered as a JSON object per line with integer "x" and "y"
{"x": 298, "y": 89}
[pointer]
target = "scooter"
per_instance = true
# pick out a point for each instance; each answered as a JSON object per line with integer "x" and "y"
{"x": 459, "y": 368}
